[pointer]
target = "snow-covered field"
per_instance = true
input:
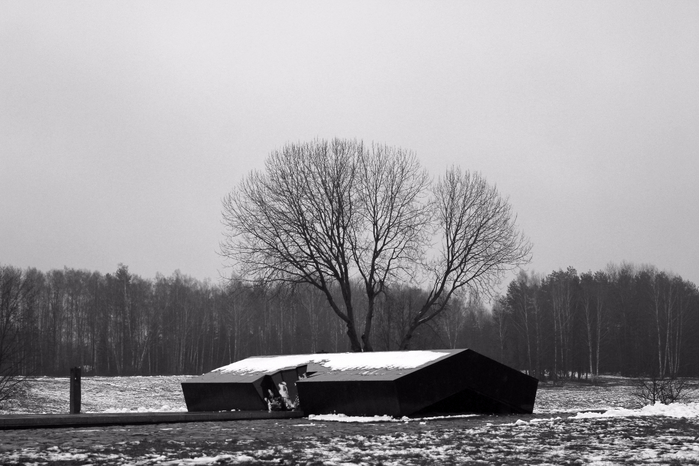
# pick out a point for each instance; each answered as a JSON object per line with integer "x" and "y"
{"x": 573, "y": 424}
{"x": 51, "y": 395}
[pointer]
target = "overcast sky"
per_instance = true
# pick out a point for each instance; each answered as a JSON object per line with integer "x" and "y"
{"x": 124, "y": 124}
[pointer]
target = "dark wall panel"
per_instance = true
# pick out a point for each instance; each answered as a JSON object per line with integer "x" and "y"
{"x": 222, "y": 397}
{"x": 351, "y": 397}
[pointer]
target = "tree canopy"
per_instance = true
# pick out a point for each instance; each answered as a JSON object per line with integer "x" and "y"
{"x": 330, "y": 213}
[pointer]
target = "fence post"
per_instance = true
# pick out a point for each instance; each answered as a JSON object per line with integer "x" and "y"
{"x": 74, "y": 390}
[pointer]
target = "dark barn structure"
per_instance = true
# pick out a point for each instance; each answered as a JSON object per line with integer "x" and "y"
{"x": 397, "y": 383}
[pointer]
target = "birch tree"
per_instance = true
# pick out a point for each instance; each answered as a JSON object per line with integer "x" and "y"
{"x": 523, "y": 302}
{"x": 592, "y": 297}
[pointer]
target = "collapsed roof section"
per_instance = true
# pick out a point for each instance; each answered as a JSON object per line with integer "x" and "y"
{"x": 397, "y": 383}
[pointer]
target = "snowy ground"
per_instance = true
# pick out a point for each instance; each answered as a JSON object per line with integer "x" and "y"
{"x": 51, "y": 395}
{"x": 563, "y": 430}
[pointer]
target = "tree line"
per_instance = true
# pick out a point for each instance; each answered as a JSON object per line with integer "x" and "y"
{"x": 122, "y": 324}
{"x": 625, "y": 320}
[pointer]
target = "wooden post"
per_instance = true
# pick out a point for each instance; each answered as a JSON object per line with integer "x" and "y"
{"x": 74, "y": 390}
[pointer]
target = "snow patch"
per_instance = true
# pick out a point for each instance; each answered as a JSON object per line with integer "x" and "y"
{"x": 219, "y": 459}
{"x": 676, "y": 410}
{"x": 359, "y": 419}
{"x": 142, "y": 409}
{"x": 449, "y": 416}
{"x": 385, "y": 418}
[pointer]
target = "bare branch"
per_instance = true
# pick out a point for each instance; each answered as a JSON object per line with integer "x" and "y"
{"x": 327, "y": 213}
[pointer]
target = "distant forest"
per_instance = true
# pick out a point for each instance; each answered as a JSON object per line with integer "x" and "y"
{"x": 625, "y": 320}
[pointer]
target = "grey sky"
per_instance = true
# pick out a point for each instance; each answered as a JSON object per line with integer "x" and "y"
{"x": 123, "y": 124}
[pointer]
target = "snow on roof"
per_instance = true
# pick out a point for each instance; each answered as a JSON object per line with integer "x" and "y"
{"x": 335, "y": 361}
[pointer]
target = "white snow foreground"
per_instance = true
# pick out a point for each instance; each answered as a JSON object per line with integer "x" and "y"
{"x": 358, "y": 419}
{"x": 677, "y": 410}
{"x": 141, "y": 409}
{"x": 386, "y": 418}
{"x": 335, "y": 361}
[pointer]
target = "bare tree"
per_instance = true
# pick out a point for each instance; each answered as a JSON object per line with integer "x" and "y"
{"x": 390, "y": 235}
{"x": 524, "y": 307}
{"x": 323, "y": 213}
{"x": 563, "y": 308}
{"x": 478, "y": 242}
{"x": 667, "y": 293}
{"x": 592, "y": 298}
{"x": 466, "y": 312}
{"x": 650, "y": 391}
{"x": 13, "y": 288}
{"x": 330, "y": 214}
{"x": 501, "y": 318}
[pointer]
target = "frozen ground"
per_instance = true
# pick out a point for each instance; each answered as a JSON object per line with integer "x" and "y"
{"x": 51, "y": 395}
{"x": 563, "y": 430}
